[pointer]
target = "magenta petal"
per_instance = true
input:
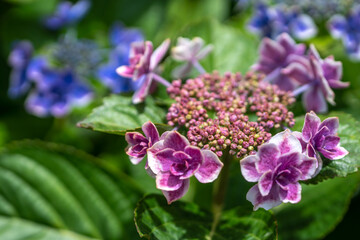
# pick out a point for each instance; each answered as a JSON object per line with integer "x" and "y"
{"x": 150, "y": 132}
{"x": 297, "y": 72}
{"x": 268, "y": 155}
{"x": 140, "y": 94}
{"x": 248, "y": 168}
{"x": 335, "y": 153}
{"x": 310, "y": 151}
{"x": 332, "y": 123}
{"x": 135, "y": 160}
{"x": 314, "y": 100}
{"x": 293, "y": 193}
{"x": 159, "y": 54}
{"x": 176, "y": 141}
{"x": 168, "y": 182}
{"x": 195, "y": 153}
{"x": 290, "y": 159}
{"x": 259, "y": 201}
{"x": 181, "y": 155}
{"x": 265, "y": 183}
{"x": 172, "y": 196}
{"x": 331, "y": 142}
{"x": 152, "y": 160}
{"x": 286, "y": 142}
{"x": 164, "y": 159}
{"x": 307, "y": 167}
{"x": 210, "y": 168}
{"x": 338, "y": 84}
{"x": 125, "y": 71}
{"x": 272, "y": 50}
{"x": 311, "y": 125}
{"x": 134, "y": 138}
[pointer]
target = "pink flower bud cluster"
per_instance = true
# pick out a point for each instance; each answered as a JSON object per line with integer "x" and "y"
{"x": 229, "y": 112}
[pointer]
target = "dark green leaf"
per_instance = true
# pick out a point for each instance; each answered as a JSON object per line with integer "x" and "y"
{"x": 118, "y": 115}
{"x": 52, "y": 191}
{"x": 322, "y": 207}
{"x": 155, "y": 219}
{"x": 349, "y": 133}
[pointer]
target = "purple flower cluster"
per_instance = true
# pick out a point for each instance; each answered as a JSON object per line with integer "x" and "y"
{"x": 172, "y": 160}
{"x": 67, "y": 14}
{"x": 285, "y": 64}
{"x": 347, "y": 28}
{"x": 233, "y": 100}
{"x": 120, "y": 39}
{"x": 272, "y": 21}
{"x": 143, "y": 66}
{"x": 290, "y": 157}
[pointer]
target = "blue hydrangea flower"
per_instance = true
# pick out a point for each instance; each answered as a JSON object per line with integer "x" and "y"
{"x": 67, "y": 13}
{"x": 56, "y": 91}
{"x": 121, "y": 39}
{"x": 348, "y": 30}
{"x": 272, "y": 21}
{"x": 19, "y": 59}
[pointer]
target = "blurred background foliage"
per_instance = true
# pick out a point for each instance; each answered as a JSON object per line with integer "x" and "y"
{"x": 216, "y": 21}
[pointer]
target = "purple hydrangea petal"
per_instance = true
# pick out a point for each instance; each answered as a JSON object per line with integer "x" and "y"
{"x": 286, "y": 142}
{"x": 172, "y": 196}
{"x": 134, "y": 138}
{"x": 337, "y": 26}
{"x": 141, "y": 93}
{"x": 266, "y": 202}
{"x": 311, "y": 125}
{"x": 293, "y": 193}
{"x": 163, "y": 160}
{"x": 304, "y": 27}
{"x": 248, "y": 168}
{"x": 182, "y": 70}
{"x": 272, "y": 50}
{"x": 150, "y": 132}
{"x": 314, "y": 100}
{"x": 176, "y": 141}
{"x": 168, "y": 182}
{"x": 335, "y": 153}
{"x": 332, "y": 123}
{"x": 298, "y": 72}
{"x": 159, "y": 54}
{"x": 182, "y": 155}
{"x": 307, "y": 167}
{"x": 290, "y": 45}
{"x": 152, "y": 160}
{"x": 268, "y": 154}
{"x": 210, "y": 168}
{"x": 331, "y": 142}
{"x": 290, "y": 159}
{"x": 265, "y": 183}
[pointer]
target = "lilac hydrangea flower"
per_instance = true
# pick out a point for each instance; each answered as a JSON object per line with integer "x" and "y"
{"x": 139, "y": 144}
{"x": 19, "y": 60}
{"x": 142, "y": 67}
{"x": 277, "y": 167}
{"x": 276, "y": 55}
{"x": 347, "y": 29}
{"x": 272, "y": 21}
{"x": 173, "y": 160}
{"x": 121, "y": 39}
{"x": 320, "y": 137}
{"x": 317, "y": 77}
{"x": 189, "y": 51}
{"x": 67, "y": 13}
{"x": 56, "y": 92}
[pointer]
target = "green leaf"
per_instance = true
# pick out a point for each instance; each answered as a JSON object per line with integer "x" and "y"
{"x": 52, "y": 191}
{"x": 322, "y": 207}
{"x": 155, "y": 219}
{"x": 234, "y": 51}
{"x": 349, "y": 133}
{"x": 118, "y": 115}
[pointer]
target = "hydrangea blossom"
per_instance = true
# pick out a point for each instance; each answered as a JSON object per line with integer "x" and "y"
{"x": 320, "y": 137}
{"x": 277, "y": 167}
{"x": 67, "y": 13}
{"x": 189, "y": 51}
{"x": 347, "y": 29}
{"x": 143, "y": 65}
{"x": 19, "y": 59}
{"x": 173, "y": 160}
{"x": 275, "y": 55}
{"x": 56, "y": 92}
{"x": 317, "y": 77}
{"x": 272, "y": 21}
{"x": 120, "y": 39}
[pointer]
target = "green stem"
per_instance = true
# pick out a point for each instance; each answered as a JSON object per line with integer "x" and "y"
{"x": 220, "y": 188}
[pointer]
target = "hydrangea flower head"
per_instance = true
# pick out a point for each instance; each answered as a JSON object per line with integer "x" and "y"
{"x": 317, "y": 77}
{"x": 67, "y": 13}
{"x": 173, "y": 160}
{"x": 19, "y": 60}
{"x": 347, "y": 29}
{"x": 321, "y": 137}
{"x": 276, "y": 55}
{"x": 277, "y": 167}
{"x": 142, "y": 67}
{"x": 272, "y": 21}
{"x": 189, "y": 51}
